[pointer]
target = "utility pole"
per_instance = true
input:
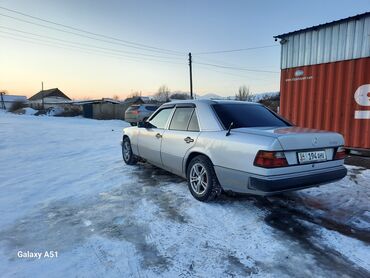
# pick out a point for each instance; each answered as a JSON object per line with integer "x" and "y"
{"x": 191, "y": 76}
{"x": 2, "y": 101}
{"x": 42, "y": 92}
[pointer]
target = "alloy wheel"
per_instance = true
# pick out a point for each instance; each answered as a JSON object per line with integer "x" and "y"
{"x": 126, "y": 150}
{"x": 198, "y": 178}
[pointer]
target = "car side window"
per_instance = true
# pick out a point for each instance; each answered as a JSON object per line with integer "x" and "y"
{"x": 160, "y": 119}
{"x": 181, "y": 118}
{"x": 193, "y": 124}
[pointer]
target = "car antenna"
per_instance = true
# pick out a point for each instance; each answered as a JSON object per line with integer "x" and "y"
{"x": 229, "y": 129}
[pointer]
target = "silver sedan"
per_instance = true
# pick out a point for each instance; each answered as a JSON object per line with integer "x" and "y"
{"x": 234, "y": 146}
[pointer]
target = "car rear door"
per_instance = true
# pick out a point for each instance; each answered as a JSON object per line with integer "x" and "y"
{"x": 150, "y": 137}
{"x": 180, "y": 136}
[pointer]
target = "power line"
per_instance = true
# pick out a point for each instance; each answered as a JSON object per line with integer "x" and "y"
{"x": 213, "y": 61}
{"x": 88, "y": 45}
{"x": 235, "y": 50}
{"x": 126, "y": 43}
{"x": 85, "y": 36}
{"x": 93, "y": 33}
{"x": 90, "y": 51}
{"x": 120, "y": 51}
{"x": 234, "y": 74}
{"x": 219, "y": 62}
{"x": 237, "y": 75}
{"x": 236, "y": 68}
{"x": 117, "y": 41}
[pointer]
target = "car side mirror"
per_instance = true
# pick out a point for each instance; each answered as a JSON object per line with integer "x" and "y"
{"x": 142, "y": 124}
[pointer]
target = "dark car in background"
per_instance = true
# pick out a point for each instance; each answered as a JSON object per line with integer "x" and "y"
{"x": 139, "y": 113}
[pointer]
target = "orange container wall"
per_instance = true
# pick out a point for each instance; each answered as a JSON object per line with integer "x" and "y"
{"x": 331, "y": 96}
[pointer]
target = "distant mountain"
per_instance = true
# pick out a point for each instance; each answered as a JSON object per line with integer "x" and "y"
{"x": 255, "y": 97}
{"x": 259, "y": 96}
{"x": 210, "y": 96}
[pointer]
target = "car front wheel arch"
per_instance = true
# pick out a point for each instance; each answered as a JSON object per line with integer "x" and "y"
{"x": 127, "y": 154}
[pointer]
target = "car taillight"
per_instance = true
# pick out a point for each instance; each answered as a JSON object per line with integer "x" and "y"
{"x": 135, "y": 112}
{"x": 268, "y": 159}
{"x": 340, "y": 153}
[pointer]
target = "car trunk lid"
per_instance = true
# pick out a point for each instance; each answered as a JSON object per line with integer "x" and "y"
{"x": 297, "y": 138}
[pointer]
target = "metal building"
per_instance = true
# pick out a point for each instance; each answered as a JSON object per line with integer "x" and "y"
{"x": 325, "y": 78}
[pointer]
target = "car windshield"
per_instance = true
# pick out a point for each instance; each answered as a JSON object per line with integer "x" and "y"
{"x": 151, "y": 108}
{"x": 247, "y": 115}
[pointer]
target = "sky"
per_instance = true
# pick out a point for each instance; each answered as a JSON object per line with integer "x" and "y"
{"x": 145, "y": 44}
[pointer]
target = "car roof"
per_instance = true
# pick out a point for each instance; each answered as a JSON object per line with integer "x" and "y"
{"x": 145, "y": 104}
{"x": 210, "y": 101}
{"x": 207, "y": 119}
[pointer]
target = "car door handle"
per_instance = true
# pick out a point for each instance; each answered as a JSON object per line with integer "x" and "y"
{"x": 188, "y": 140}
{"x": 158, "y": 136}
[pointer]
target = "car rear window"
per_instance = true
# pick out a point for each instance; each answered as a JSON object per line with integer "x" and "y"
{"x": 151, "y": 108}
{"x": 133, "y": 108}
{"x": 247, "y": 115}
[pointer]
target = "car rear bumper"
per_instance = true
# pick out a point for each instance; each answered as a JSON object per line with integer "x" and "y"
{"x": 271, "y": 185}
{"x": 131, "y": 119}
{"x": 243, "y": 182}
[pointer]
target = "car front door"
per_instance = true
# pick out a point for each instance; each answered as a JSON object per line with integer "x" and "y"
{"x": 181, "y": 135}
{"x": 150, "y": 137}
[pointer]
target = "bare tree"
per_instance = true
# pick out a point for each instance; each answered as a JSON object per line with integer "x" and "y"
{"x": 180, "y": 96}
{"x": 116, "y": 97}
{"x": 163, "y": 94}
{"x": 17, "y": 105}
{"x": 244, "y": 94}
{"x": 134, "y": 94}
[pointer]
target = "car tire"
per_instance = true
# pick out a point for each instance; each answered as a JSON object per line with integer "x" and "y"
{"x": 202, "y": 179}
{"x": 128, "y": 157}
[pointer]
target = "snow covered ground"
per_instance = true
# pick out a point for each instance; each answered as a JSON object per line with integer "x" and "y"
{"x": 64, "y": 188}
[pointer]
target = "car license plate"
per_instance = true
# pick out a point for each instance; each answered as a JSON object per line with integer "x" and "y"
{"x": 314, "y": 156}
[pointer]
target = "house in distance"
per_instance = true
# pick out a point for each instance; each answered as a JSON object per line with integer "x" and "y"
{"x": 7, "y": 101}
{"x": 49, "y": 98}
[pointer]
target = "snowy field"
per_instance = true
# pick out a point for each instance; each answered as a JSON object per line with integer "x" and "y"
{"x": 65, "y": 188}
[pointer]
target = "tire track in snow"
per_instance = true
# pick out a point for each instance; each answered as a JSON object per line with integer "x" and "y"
{"x": 292, "y": 223}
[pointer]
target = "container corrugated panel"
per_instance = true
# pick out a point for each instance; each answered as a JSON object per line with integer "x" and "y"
{"x": 343, "y": 41}
{"x": 331, "y": 96}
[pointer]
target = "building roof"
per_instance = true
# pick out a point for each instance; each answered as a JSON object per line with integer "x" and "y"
{"x": 315, "y": 27}
{"x": 94, "y": 101}
{"x": 55, "y": 92}
{"x": 133, "y": 100}
{"x": 14, "y": 98}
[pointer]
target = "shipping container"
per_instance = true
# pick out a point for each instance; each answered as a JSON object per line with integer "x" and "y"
{"x": 330, "y": 96}
{"x": 325, "y": 78}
